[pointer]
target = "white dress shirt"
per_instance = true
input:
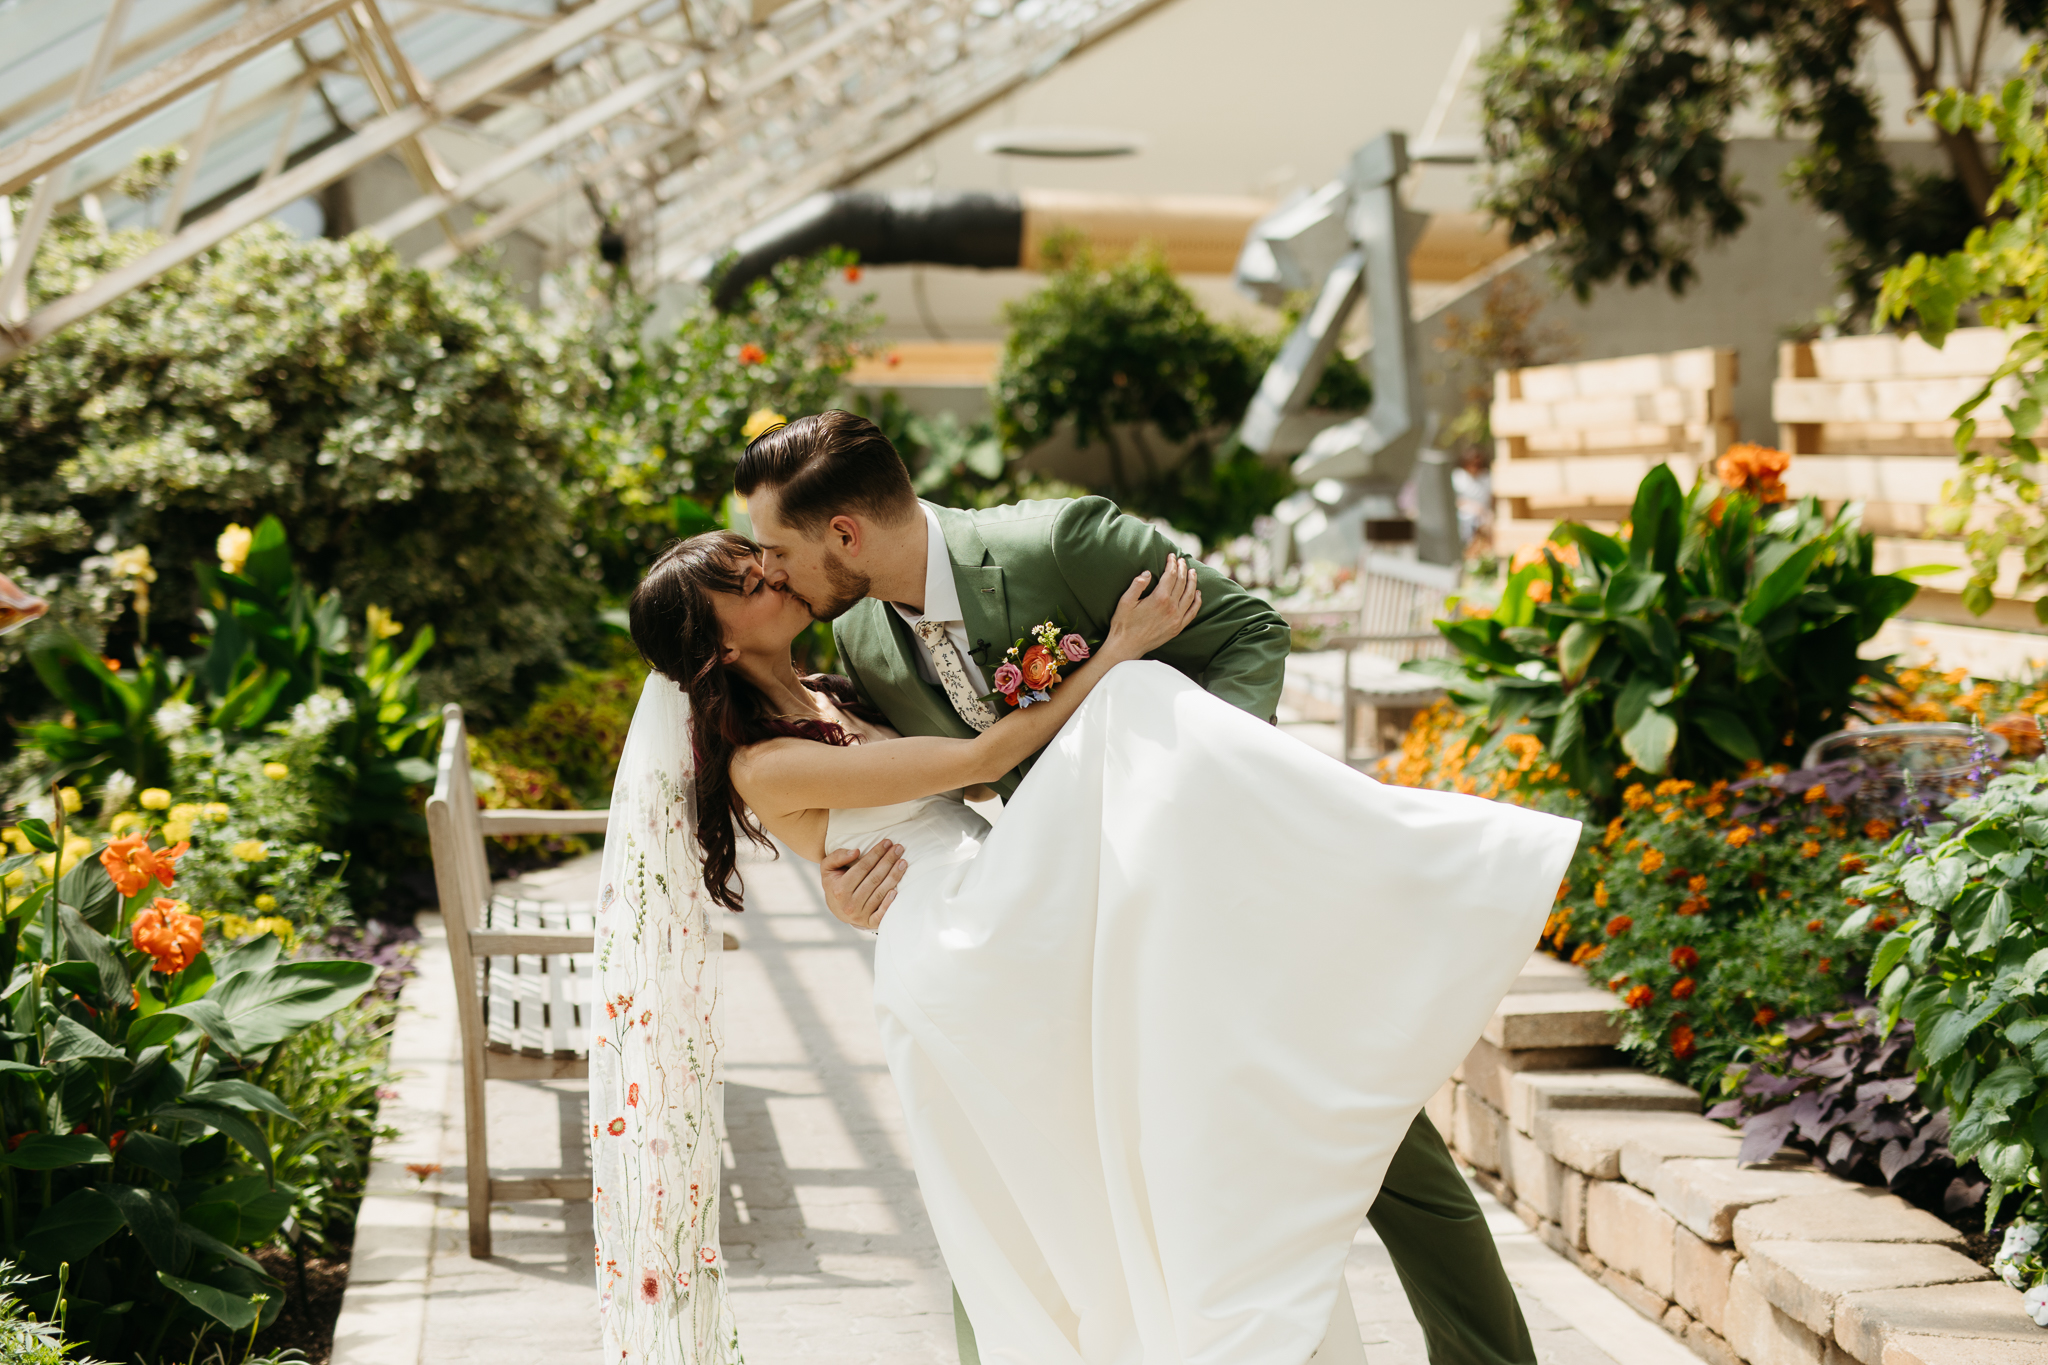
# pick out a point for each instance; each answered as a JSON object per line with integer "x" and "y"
{"x": 941, "y": 604}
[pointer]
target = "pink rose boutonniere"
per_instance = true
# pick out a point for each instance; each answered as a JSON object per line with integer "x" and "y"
{"x": 1036, "y": 664}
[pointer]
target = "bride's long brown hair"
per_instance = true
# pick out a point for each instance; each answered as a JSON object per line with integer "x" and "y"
{"x": 676, "y": 631}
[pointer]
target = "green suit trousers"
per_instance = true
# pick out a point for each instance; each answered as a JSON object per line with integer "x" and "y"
{"x": 1443, "y": 1252}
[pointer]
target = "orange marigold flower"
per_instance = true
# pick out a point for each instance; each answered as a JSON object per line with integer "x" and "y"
{"x": 1652, "y": 860}
{"x": 1877, "y": 829}
{"x": 1613, "y": 832}
{"x": 1692, "y": 905}
{"x": 1751, "y": 468}
{"x": 1619, "y": 925}
{"x": 1883, "y": 924}
{"x": 1600, "y": 894}
{"x": 1685, "y": 957}
{"x": 171, "y": 935}
{"x": 1740, "y": 835}
{"x": 1816, "y": 793}
{"x": 1767, "y": 829}
{"x": 1696, "y": 885}
{"x": 130, "y": 863}
{"x": 1826, "y": 963}
{"x": 1587, "y": 952}
{"x": 1636, "y": 797}
{"x": 1638, "y": 996}
{"x": 1713, "y": 810}
{"x": 1809, "y": 849}
{"x": 1682, "y": 1045}
{"x": 750, "y": 354}
{"x": 1764, "y": 1016}
{"x": 1683, "y": 988}
{"x": 1853, "y": 862}
{"x": 1814, "y": 926}
{"x": 1539, "y": 590}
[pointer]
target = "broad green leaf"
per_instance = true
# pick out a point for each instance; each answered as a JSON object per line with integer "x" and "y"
{"x": 91, "y": 946}
{"x": 1951, "y": 1029}
{"x": 154, "y": 1220}
{"x": 154, "y": 1153}
{"x": 262, "y": 1008}
{"x": 1891, "y": 951}
{"x": 52, "y": 1152}
{"x": 252, "y": 955}
{"x": 1634, "y": 699}
{"x": 225, "y": 1120}
{"x": 1728, "y": 733}
{"x": 1655, "y": 522}
{"x": 232, "y": 1311}
{"x": 74, "y": 1042}
{"x": 204, "y": 1013}
{"x": 1630, "y": 591}
{"x": 205, "y": 1241}
{"x": 244, "y": 1211}
{"x": 37, "y": 832}
{"x": 241, "y": 1095}
{"x": 76, "y": 977}
{"x": 156, "y": 1028}
{"x": 27, "y": 1071}
{"x": 1576, "y": 647}
{"x": 70, "y": 1229}
{"x": 88, "y": 889}
{"x": 1781, "y": 584}
{"x": 1649, "y": 741}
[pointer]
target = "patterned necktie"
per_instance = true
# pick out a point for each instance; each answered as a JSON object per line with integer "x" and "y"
{"x": 952, "y": 671}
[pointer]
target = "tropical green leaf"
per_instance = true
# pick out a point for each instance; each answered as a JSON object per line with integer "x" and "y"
{"x": 226, "y": 1121}
{"x": 241, "y": 1095}
{"x": 262, "y": 1008}
{"x": 1728, "y": 732}
{"x": 52, "y": 1152}
{"x": 1781, "y": 584}
{"x": 1649, "y": 741}
{"x": 73, "y": 1227}
{"x": 74, "y": 1042}
{"x": 232, "y": 1311}
{"x": 153, "y": 1219}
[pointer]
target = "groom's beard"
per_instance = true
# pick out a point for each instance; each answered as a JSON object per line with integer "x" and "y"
{"x": 848, "y": 587}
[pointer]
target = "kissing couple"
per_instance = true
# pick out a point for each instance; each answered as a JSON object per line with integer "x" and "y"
{"x": 1162, "y": 1033}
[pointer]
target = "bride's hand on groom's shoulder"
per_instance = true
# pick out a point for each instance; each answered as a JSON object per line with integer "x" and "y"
{"x": 860, "y": 887}
{"x": 1145, "y": 622}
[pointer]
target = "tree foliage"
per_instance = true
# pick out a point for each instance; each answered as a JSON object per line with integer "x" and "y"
{"x": 2002, "y": 275}
{"x": 412, "y": 429}
{"x": 1607, "y": 125}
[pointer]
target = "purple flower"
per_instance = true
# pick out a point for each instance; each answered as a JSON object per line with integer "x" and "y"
{"x": 1030, "y": 697}
{"x": 1008, "y": 679}
{"x": 1074, "y": 647}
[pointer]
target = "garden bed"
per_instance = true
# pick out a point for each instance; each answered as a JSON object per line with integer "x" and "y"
{"x": 1774, "y": 1264}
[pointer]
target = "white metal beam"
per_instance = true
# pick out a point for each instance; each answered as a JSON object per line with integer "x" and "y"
{"x": 49, "y": 147}
{"x": 373, "y": 140}
{"x": 176, "y": 26}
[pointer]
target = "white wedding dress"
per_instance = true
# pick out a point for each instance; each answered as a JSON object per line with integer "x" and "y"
{"x": 1159, "y": 1032}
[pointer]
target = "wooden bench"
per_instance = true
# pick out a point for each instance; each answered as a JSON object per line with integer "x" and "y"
{"x": 1573, "y": 441}
{"x": 1394, "y": 625}
{"x": 1868, "y": 419}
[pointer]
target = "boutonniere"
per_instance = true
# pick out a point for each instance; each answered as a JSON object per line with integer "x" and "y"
{"x": 1036, "y": 664}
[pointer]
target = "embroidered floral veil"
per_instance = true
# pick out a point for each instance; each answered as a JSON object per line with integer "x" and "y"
{"x": 655, "y": 1085}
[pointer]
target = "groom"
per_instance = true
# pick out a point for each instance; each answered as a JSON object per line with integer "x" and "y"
{"x": 924, "y": 601}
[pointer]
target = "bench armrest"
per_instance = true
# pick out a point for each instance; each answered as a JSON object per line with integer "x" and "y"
{"x": 1353, "y": 641}
{"x": 506, "y": 823}
{"x": 536, "y": 942}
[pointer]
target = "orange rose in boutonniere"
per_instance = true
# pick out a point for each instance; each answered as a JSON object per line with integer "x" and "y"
{"x": 1038, "y": 666}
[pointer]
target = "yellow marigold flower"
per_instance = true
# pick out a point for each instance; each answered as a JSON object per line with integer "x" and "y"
{"x": 1613, "y": 832}
{"x": 177, "y": 831}
{"x": 184, "y": 811}
{"x": 155, "y": 798}
{"x": 16, "y": 877}
{"x": 1671, "y": 816}
{"x": 1696, "y": 885}
{"x": 1652, "y": 860}
{"x": 761, "y": 420}
{"x": 232, "y": 548}
{"x": 1713, "y": 810}
{"x": 380, "y": 624}
{"x": 16, "y": 840}
{"x": 216, "y": 811}
{"x": 250, "y": 851}
{"x": 1600, "y": 894}
{"x": 1740, "y": 835}
{"x": 75, "y": 850}
{"x": 1817, "y": 793}
{"x": 1673, "y": 786}
{"x": 1636, "y": 797}
{"x": 277, "y": 772}
{"x": 1809, "y": 849}
{"x": 266, "y": 902}
{"x": 71, "y": 799}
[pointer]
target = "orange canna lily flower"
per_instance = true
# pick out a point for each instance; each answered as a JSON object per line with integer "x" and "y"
{"x": 165, "y": 860}
{"x": 171, "y": 935}
{"x": 133, "y": 864}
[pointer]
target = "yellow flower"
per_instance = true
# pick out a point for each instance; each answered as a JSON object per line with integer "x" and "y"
{"x": 382, "y": 627}
{"x": 185, "y": 812}
{"x": 177, "y": 831}
{"x": 233, "y": 547}
{"x": 127, "y": 820}
{"x": 216, "y": 811}
{"x": 155, "y": 798}
{"x": 276, "y": 772}
{"x": 266, "y": 902}
{"x": 250, "y": 851}
{"x": 71, "y": 799}
{"x": 1652, "y": 860}
{"x": 133, "y": 563}
{"x": 762, "y": 419}
{"x": 16, "y": 839}
{"x": 16, "y": 877}
{"x": 1740, "y": 835}
{"x": 75, "y": 849}
{"x": 1600, "y": 894}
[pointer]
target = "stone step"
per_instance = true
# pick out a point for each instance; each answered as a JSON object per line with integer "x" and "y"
{"x": 1530, "y": 1093}
{"x": 1577, "y": 1016}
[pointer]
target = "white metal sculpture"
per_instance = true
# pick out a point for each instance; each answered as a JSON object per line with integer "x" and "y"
{"x": 1348, "y": 241}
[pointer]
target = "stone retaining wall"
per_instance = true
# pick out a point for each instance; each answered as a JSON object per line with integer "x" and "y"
{"x": 1781, "y": 1264}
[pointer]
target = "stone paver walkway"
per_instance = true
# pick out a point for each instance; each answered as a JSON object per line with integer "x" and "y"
{"x": 831, "y": 1258}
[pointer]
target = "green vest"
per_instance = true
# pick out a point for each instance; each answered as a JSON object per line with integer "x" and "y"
{"x": 1068, "y": 562}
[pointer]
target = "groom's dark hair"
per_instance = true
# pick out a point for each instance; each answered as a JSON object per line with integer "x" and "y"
{"x": 825, "y": 465}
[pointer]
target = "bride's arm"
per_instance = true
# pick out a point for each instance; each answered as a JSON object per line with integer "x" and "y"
{"x": 790, "y": 775}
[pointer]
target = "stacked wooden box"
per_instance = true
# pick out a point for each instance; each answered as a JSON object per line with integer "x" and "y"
{"x": 1869, "y": 420}
{"x": 1573, "y": 441}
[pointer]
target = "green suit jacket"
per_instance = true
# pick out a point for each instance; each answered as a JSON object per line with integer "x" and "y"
{"x": 1067, "y": 561}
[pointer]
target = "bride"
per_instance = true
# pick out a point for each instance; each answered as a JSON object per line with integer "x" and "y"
{"x": 1157, "y": 1033}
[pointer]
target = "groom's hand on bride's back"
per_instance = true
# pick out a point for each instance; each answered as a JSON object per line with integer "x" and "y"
{"x": 860, "y": 887}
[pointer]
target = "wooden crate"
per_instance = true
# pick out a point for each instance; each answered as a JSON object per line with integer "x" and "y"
{"x": 1574, "y": 441}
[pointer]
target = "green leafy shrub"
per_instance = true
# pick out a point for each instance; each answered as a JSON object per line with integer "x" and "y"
{"x": 329, "y": 1075}
{"x": 132, "y": 1094}
{"x": 413, "y": 428}
{"x": 1967, "y": 963}
{"x": 1999, "y": 272}
{"x": 1723, "y": 631}
{"x": 24, "y": 1338}
{"x": 666, "y": 418}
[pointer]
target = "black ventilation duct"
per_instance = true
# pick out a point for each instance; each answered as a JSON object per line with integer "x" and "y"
{"x": 884, "y": 227}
